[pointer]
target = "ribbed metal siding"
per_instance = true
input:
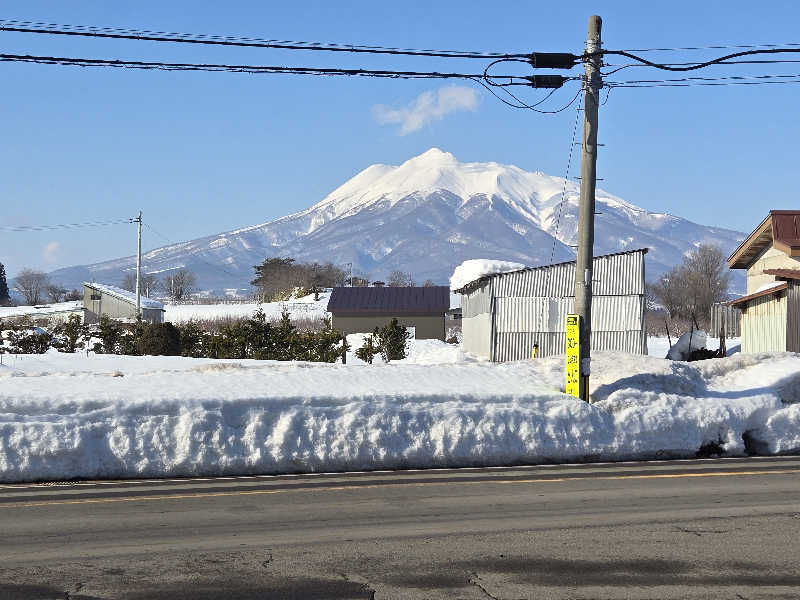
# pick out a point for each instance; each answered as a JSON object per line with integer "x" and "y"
{"x": 764, "y": 325}
{"x": 615, "y": 275}
{"x": 617, "y": 324}
{"x": 727, "y": 318}
{"x": 477, "y": 302}
{"x": 517, "y": 346}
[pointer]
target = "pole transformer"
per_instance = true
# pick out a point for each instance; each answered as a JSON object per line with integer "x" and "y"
{"x": 583, "y": 268}
{"x": 138, "y": 220}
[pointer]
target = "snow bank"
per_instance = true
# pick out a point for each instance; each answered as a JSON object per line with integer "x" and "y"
{"x": 76, "y": 416}
{"x": 470, "y": 270}
{"x": 305, "y": 307}
{"x": 40, "y": 309}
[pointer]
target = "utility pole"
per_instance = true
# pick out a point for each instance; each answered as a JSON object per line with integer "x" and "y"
{"x": 138, "y": 220}
{"x": 583, "y": 266}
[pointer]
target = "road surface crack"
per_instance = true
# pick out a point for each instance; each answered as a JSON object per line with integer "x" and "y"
{"x": 473, "y": 579}
{"x": 700, "y": 532}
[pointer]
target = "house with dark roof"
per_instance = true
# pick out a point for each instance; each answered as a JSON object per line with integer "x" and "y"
{"x": 362, "y": 309}
{"x": 771, "y": 307}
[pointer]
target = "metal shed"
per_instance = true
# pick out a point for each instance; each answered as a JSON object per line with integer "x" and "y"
{"x": 100, "y": 299}
{"x": 506, "y": 314}
{"x": 362, "y": 309}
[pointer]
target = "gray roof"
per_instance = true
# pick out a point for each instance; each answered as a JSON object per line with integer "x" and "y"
{"x": 124, "y": 295}
{"x": 390, "y": 300}
{"x": 474, "y": 284}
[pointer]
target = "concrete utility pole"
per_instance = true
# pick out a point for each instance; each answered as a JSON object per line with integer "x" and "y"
{"x": 583, "y": 267}
{"x": 139, "y": 267}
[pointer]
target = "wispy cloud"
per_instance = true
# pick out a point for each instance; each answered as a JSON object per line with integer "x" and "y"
{"x": 51, "y": 252}
{"x": 427, "y": 108}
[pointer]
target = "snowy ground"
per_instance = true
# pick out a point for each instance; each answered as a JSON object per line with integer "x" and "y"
{"x": 77, "y": 416}
{"x": 301, "y": 308}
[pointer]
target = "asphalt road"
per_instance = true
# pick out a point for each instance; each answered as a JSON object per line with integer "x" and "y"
{"x": 680, "y": 529}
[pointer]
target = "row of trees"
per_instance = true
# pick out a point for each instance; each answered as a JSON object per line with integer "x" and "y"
{"x": 276, "y": 279}
{"x": 35, "y": 287}
{"x": 256, "y": 338}
{"x": 178, "y": 285}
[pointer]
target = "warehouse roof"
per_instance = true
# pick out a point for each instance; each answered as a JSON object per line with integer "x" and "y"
{"x": 124, "y": 295}
{"x": 389, "y": 300}
{"x": 473, "y": 284}
{"x": 780, "y": 229}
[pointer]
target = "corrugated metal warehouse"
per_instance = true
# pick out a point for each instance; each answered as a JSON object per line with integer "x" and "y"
{"x": 99, "y": 299}
{"x": 771, "y": 308}
{"x": 506, "y": 314}
{"x": 362, "y": 309}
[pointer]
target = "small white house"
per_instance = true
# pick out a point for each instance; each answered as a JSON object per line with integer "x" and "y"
{"x": 771, "y": 308}
{"x": 100, "y": 299}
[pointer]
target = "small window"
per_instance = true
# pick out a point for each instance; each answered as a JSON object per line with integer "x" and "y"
{"x": 95, "y": 297}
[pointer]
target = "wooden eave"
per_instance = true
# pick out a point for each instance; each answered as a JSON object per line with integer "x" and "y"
{"x": 772, "y": 290}
{"x": 752, "y": 246}
{"x": 781, "y": 230}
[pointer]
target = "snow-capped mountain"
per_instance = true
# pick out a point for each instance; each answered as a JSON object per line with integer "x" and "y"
{"x": 426, "y": 216}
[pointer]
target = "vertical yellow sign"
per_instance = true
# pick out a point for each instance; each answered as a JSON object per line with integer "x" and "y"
{"x": 573, "y": 355}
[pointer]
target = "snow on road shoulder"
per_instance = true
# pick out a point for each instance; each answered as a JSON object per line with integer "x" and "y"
{"x": 73, "y": 416}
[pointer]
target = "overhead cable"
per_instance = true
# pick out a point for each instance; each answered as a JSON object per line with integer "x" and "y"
{"x": 251, "y": 69}
{"x": 216, "y": 40}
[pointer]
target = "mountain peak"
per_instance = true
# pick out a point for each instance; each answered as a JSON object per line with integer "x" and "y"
{"x": 433, "y": 155}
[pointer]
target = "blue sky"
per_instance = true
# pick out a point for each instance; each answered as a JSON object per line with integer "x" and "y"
{"x": 201, "y": 153}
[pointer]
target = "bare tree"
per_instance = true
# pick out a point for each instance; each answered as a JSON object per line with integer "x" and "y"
{"x": 149, "y": 283}
{"x": 180, "y": 284}
{"x": 31, "y": 284}
{"x": 56, "y": 293}
{"x": 428, "y": 283}
{"x": 690, "y": 289}
{"x": 73, "y": 295}
{"x": 399, "y": 279}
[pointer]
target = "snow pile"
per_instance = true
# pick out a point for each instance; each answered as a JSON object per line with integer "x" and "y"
{"x": 686, "y": 344}
{"x": 76, "y": 416}
{"x": 471, "y": 270}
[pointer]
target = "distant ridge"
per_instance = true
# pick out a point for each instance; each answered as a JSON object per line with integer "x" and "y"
{"x": 426, "y": 216}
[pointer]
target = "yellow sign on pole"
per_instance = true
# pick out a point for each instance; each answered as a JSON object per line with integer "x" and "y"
{"x": 573, "y": 355}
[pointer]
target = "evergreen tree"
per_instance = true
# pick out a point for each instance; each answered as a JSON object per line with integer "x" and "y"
{"x": 4, "y": 296}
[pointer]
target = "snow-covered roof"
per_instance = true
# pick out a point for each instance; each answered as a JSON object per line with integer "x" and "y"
{"x": 472, "y": 270}
{"x": 467, "y": 272}
{"x": 125, "y": 295}
{"x": 40, "y": 309}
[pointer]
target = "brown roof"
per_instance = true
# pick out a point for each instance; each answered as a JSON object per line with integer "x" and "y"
{"x": 390, "y": 300}
{"x": 783, "y": 273}
{"x": 766, "y": 292}
{"x": 781, "y": 229}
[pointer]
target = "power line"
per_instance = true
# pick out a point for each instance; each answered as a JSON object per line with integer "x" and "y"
{"x": 691, "y": 67}
{"x": 720, "y": 78}
{"x": 251, "y": 69}
{"x": 21, "y": 228}
{"x": 194, "y": 255}
{"x": 216, "y": 40}
{"x": 666, "y": 83}
{"x": 720, "y": 47}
